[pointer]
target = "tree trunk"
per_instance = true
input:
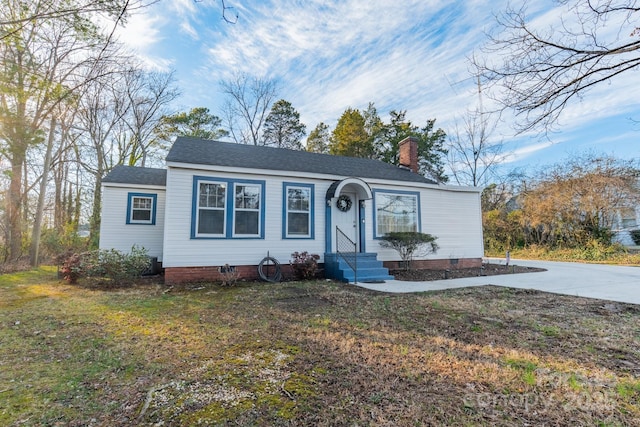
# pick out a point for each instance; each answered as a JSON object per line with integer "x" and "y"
{"x": 37, "y": 224}
{"x": 57, "y": 178}
{"x": 94, "y": 223}
{"x": 15, "y": 205}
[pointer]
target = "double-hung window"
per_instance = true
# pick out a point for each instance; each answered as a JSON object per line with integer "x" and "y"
{"x": 226, "y": 209}
{"x": 211, "y": 215}
{"x": 298, "y": 211}
{"x": 396, "y": 211}
{"x": 246, "y": 218}
{"x": 141, "y": 208}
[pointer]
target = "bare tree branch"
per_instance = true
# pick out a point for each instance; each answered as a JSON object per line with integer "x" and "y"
{"x": 247, "y": 106}
{"x": 229, "y": 13}
{"x": 473, "y": 153}
{"x": 537, "y": 72}
{"x": 114, "y": 8}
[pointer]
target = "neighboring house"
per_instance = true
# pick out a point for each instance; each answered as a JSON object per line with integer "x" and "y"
{"x": 220, "y": 203}
{"x": 628, "y": 219}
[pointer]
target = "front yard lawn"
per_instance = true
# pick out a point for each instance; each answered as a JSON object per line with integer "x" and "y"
{"x": 314, "y": 353}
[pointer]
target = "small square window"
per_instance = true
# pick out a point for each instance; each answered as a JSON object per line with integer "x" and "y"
{"x": 141, "y": 209}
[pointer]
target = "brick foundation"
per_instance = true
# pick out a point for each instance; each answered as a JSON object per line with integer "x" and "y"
{"x": 437, "y": 264}
{"x": 178, "y": 275}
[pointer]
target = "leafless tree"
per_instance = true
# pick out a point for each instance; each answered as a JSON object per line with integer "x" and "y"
{"x": 473, "y": 152}
{"x": 148, "y": 95}
{"x": 247, "y": 105}
{"x": 42, "y": 65}
{"x": 41, "y": 11}
{"x": 100, "y": 115}
{"x": 537, "y": 71}
{"x": 578, "y": 200}
{"x": 46, "y": 165}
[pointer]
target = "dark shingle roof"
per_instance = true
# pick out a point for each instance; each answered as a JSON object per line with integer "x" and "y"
{"x": 216, "y": 153}
{"x": 136, "y": 175}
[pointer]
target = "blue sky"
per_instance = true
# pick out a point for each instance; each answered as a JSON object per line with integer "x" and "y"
{"x": 410, "y": 55}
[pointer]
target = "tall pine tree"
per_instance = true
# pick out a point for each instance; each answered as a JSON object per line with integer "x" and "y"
{"x": 197, "y": 123}
{"x": 364, "y": 134}
{"x": 282, "y": 127}
{"x": 319, "y": 138}
{"x": 350, "y": 137}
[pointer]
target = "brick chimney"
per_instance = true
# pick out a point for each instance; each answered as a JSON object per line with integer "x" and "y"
{"x": 409, "y": 153}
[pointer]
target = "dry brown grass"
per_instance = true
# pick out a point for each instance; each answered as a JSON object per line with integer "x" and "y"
{"x": 312, "y": 353}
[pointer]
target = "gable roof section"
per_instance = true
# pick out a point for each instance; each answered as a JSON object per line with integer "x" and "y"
{"x": 136, "y": 175}
{"x": 216, "y": 153}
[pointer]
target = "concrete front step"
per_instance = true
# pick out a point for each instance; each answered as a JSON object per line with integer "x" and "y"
{"x": 366, "y": 276}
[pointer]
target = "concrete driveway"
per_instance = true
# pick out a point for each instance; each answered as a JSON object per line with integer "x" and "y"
{"x": 607, "y": 282}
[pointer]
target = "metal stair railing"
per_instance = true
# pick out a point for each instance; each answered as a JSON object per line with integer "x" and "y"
{"x": 348, "y": 250}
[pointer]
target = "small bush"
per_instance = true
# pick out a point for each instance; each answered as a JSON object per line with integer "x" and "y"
{"x": 304, "y": 265}
{"x": 229, "y": 275}
{"x": 71, "y": 269}
{"x": 106, "y": 265}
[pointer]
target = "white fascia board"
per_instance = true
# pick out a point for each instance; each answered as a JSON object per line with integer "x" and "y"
{"x": 318, "y": 176}
{"x": 124, "y": 185}
{"x": 461, "y": 188}
{"x": 251, "y": 171}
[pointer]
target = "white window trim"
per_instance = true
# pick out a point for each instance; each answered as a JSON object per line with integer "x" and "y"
{"x": 224, "y": 210}
{"x": 415, "y": 195}
{"x": 258, "y": 210}
{"x": 229, "y": 207}
{"x": 287, "y": 211}
{"x": 152, "y": 210}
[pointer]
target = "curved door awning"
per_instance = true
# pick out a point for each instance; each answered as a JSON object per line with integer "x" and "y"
{"x": 361, "y": 188}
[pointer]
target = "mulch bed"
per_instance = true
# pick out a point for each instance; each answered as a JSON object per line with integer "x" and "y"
{"x": 487, "y": 269}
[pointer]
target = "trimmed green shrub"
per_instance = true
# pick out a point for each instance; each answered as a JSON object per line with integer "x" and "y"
{"x": 410, "y": 243}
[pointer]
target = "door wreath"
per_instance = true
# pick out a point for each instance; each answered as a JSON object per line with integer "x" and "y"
{"x": 344, "y": 203}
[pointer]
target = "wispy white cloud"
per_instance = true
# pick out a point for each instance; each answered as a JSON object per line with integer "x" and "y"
{"x": 526, "y": 151}
{"x": 141, "y": 30}
{"x": 346, "y": 54}
{"x": 328, "y": 56}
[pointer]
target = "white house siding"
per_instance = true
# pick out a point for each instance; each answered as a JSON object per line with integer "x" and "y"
{"x": 115, "y": 233}
{"x": 452, "y": 214}
{"x": 180, "y": 250}
{"x": 454, "y": 217}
